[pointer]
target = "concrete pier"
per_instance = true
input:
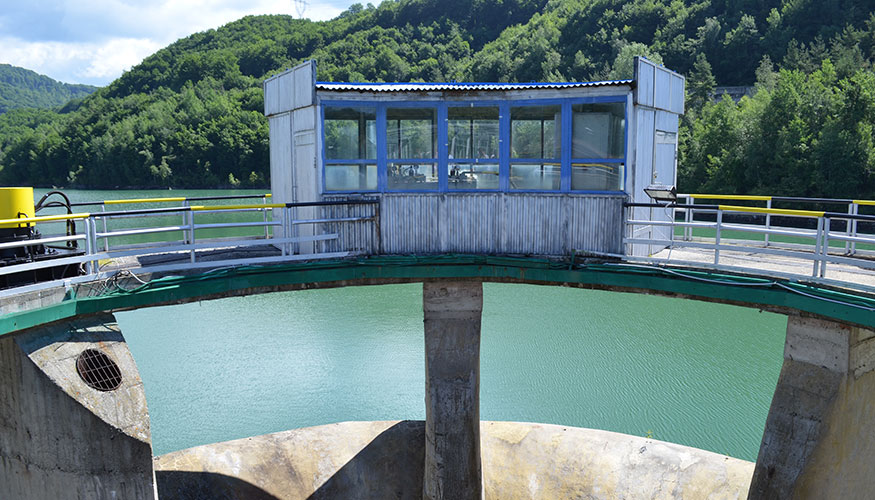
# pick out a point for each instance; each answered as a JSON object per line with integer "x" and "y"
{"x": 818, "y": 440}
{"x": 452, "y": 390}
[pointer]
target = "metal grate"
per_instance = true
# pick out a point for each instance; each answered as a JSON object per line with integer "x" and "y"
{"x": 98, "y": 371}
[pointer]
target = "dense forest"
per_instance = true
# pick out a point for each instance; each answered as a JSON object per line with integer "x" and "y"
{"x": 23, "y": 88}
{"x": 190, "y": 115}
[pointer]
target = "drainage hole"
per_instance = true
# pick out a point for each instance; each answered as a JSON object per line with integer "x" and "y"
{"x": 98, "y": 371}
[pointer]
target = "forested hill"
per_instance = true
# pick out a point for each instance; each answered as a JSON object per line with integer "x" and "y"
{"x": 23, "y": 88}
{"x": 190, "y": 114}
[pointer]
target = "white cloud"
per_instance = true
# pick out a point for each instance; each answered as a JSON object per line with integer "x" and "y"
{"x": 93, "y": 42}
{"x": 78, "y": 62}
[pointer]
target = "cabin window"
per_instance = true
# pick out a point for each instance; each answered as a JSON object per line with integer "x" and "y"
{"x": 472, "y": 144}
{"x": 536, "y": 147}
{"x": 598, "y": 134}
{"x": 555, "y": 145}
{"x": 411, "y": 140}
{"x": 350, "y": 148}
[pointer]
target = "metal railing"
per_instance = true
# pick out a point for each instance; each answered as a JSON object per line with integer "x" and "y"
{"x": 822, "y": 238}
{"x": 851, "y": 206}
{"x": 294, "y": 231}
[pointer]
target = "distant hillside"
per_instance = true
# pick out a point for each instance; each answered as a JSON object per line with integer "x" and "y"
{"x": 23, "y": 88}
{"x": 190, "y": 115}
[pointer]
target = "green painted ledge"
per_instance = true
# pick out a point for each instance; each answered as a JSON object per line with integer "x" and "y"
{"x": 745, "y": 290}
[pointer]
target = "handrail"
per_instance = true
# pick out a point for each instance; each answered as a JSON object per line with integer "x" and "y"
{"x": 237, "y": 207}
{"x": 170, "y": 199}
{"x": 143, "y": 200}
{"x": 748, "y": 197}
{"x": 45, "y": 218}
{"x": 776, "y": 211}
{"x": 190, "y": 208}
{"x": 336, "y": 235}
{"x": 819, "y": 244}
{"x": 751, "y": 197}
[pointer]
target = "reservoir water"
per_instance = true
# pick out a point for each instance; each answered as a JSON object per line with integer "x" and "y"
{"x": 683, "y": 371}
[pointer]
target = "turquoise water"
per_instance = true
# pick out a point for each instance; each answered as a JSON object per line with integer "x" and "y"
{"x": 688, "y": 372}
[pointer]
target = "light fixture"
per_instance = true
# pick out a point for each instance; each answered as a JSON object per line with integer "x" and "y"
{"x": 661, "y": 192}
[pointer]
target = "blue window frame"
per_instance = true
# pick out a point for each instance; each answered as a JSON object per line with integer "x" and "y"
{"x": 411, "y": 147}
{"x": 349, "y": 148}
{"x": 474, "y": 143}
{"x": 544, "y": 145}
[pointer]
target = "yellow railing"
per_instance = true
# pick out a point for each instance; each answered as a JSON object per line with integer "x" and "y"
{"x": 159, "y": 200}
{"x": 775, "y": 211}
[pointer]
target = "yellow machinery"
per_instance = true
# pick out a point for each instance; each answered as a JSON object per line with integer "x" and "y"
{"x": 15, "y": 203}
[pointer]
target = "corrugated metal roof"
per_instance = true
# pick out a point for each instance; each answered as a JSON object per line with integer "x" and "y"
{"x": 430, "y": 87}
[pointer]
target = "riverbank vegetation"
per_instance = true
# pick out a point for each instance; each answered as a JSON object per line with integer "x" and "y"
{"x": 190, "y": 115}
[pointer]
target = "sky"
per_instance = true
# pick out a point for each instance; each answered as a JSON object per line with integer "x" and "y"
{"x": 94, "y": 41}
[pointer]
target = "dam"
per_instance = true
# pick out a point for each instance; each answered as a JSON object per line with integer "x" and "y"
{"x": 364, "y": 213}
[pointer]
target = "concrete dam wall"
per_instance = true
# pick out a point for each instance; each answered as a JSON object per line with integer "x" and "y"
{"x": 74, "y": 424}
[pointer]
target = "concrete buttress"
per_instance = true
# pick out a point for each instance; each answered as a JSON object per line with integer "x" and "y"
{"x": 818, "y": 440}
{"x": 67, "y": 435}
{"x": 452, "y": 390}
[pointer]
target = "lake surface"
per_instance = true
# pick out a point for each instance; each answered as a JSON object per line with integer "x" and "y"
{"x": 683, "y": 371}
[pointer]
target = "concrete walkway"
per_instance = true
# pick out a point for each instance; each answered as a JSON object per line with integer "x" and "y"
{"x": 752, "y": 262}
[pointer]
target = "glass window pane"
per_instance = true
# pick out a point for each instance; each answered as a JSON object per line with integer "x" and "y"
{"x": 411, "y": 133}
{"x": 540, "y": 176}
{"x": 350, "y": 133}
{"x": 598, "y": 130}
{"x": 350, "y": 177}
{"x": 472, "y": 132}
{"x": 472, "y": 175}
{"x": 535, "y": 132}
{"x": 596, "y": 176}
{"x": 412, "y": 176}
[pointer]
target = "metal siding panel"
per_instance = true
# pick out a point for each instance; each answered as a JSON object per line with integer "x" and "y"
{"x": 271, "y": 97}
{"x": 304, "y": 90}
{"x": 662, "y": 89}
{"x": 645, "y": 125}
{"x": 411, "y": 224}
{"x": 644, "y": 160}
{"x": 286, "y": 85}
{"x": 598, "y": 224}
{"x": 470, "y": 222}
{"x": 535, "y": 224}
{"x": 677, "y": 94}
{"x": 644, "y": 85}
{"x": 667, "y": 121}
{"x": 280, "y": 161}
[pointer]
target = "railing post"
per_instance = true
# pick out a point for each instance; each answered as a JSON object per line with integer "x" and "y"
{"x": 824, "y": 248}
{"x": 853, "y": 209}
{"x": 90, "y": 242}
{"x": 286, "y": 215}
{"x": 190, "y": 215}
{"x": 264, "y": 217}
{"x": 185, "y": 223}
{"x": 688, "y": 218}
{"x": 768, "y": 221}
{"x": 817, "y": 247}
{"x": 717, "y": 237}
{"x": 105, "y": 230}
